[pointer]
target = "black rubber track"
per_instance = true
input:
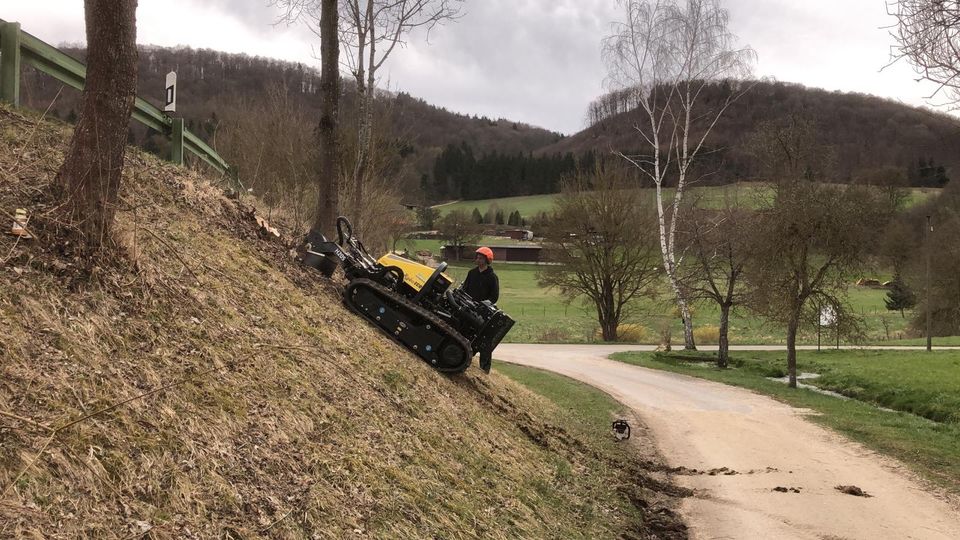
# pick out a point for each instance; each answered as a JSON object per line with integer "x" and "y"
{"x": 441, "y": 328}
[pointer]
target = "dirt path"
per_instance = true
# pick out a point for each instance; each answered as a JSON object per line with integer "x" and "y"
{"x": 704, "y": 425}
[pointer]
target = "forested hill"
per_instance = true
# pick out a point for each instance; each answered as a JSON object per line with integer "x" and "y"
{"x": 862, "y": 133}
{"x": 214, "y": 88}
{"x": 236, "y": 102}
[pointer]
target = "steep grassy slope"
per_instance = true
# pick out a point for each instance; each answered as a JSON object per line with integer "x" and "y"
{"x": 205, "y": 386}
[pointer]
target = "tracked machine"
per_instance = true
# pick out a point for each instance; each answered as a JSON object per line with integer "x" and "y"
{"x": 414, "y": 304}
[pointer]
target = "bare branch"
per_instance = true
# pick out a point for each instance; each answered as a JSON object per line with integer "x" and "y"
{"x": 927, "y": 36}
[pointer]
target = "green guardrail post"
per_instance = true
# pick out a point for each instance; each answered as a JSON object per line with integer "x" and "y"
{"x": 176, "y": 142}
{"x": 10, "y": 63}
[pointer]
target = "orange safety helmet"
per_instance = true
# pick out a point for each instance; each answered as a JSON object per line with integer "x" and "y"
{"x": 486, "y": 252}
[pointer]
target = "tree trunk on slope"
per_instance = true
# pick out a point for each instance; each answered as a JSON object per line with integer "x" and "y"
{"x": 327, "y": 131}
{"x": 89, "y": 179}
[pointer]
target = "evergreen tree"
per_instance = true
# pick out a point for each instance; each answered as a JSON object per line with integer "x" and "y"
{"x": 488, "y": 216}
{"x": 899, "y": 297}
{"x": 477, "y": 216}
{"x": 499, "y": 217}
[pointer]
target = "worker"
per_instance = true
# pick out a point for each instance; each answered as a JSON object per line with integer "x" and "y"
{"x": 482, "y": 284}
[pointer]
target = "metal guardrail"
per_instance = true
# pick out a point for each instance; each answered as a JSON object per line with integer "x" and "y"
{"x": 17, "y": 45}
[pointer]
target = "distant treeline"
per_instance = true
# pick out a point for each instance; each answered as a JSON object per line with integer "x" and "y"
{"x": 458, "y": 174}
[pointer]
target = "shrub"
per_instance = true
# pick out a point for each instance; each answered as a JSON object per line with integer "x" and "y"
{"x": 707, "y": 335}
{"x": 626, "y": 333}
{"x": 632, "y": 333}
{"x": 554, "y": 335}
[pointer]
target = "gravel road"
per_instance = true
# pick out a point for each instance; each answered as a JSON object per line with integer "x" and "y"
{"x": 704, "y": 425}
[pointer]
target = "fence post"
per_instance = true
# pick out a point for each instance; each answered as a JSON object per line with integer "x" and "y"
{"x": 10, "y": 63}
{"x": 176, "y": 142}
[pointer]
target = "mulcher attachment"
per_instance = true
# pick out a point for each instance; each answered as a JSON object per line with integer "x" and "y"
{"x": 412, "y": 303}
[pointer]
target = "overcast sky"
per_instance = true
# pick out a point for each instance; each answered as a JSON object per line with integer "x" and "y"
{"x": 535, "y": 61}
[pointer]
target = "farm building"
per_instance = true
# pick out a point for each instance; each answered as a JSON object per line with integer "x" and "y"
{"x": 518, "y": 234}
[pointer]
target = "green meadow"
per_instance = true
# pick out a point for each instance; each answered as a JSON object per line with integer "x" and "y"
{"x": 749, "y": 194}
{"x": 546, "y": 316}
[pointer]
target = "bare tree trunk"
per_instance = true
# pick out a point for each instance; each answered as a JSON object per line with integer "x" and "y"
{"x": 608, "y": 319}
{"x": 365, "y": 89}
{"x": 724, "y": 346}
{"x": 688, "y": 341}
{"x": 327, "y": 131}
{"x": 792, "y": 348}
{"x": 89, "y": 178}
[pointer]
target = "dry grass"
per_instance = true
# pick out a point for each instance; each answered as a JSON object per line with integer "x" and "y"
{"x": 205, "y": 386}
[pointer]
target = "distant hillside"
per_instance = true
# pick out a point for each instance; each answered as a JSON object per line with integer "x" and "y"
{"x": 862, "y": 136}
{"x": 211, "y": 83}
{"x": 864, "y": 132}
{"x": 442, "y": 155}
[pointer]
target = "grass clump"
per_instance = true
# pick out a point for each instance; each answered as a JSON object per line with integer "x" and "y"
{"x": 707, "y": 335}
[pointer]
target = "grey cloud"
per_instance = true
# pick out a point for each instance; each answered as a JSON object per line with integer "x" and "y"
{"x": 528, "y": 60}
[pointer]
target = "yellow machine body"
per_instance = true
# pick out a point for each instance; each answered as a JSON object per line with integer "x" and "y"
{"x": 415, "y": 275}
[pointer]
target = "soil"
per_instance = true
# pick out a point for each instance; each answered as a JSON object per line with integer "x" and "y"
{"x": 701, "y": 426}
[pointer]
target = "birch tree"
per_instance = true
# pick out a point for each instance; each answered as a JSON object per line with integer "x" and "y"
{"x": 370, "y": 31}
{"x": 668, "y": 53}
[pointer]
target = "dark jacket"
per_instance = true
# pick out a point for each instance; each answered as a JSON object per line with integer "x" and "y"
{"x": 482, "y": 285}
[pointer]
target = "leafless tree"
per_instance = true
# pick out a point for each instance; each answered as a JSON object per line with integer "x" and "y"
{"x": 811, "y": 238}
{"x": 720, "y": 244}
{"x": 328, "y": 200}
{"x": 927, "y": 35}
{"x": 386, "y": 218}
{"x": 457, "y": 227}
{"x": 369, "y": 31}
{"x": 270, "y": 142}
{"x": 667, "y": 52}
{"x": 89, "y": 178}
{"x": 322, "y": 17}
{"x": 605, "y": 243}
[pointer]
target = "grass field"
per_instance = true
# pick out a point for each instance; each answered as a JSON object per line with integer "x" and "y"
{"x": 922, "y": 389}
{"x": 747, "y": 193}
{"x": 585, "y": 406}
{"x": 545, "y": 316}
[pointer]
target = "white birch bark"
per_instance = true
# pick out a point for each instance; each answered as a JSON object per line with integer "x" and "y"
{"x": 668, "y": 52}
